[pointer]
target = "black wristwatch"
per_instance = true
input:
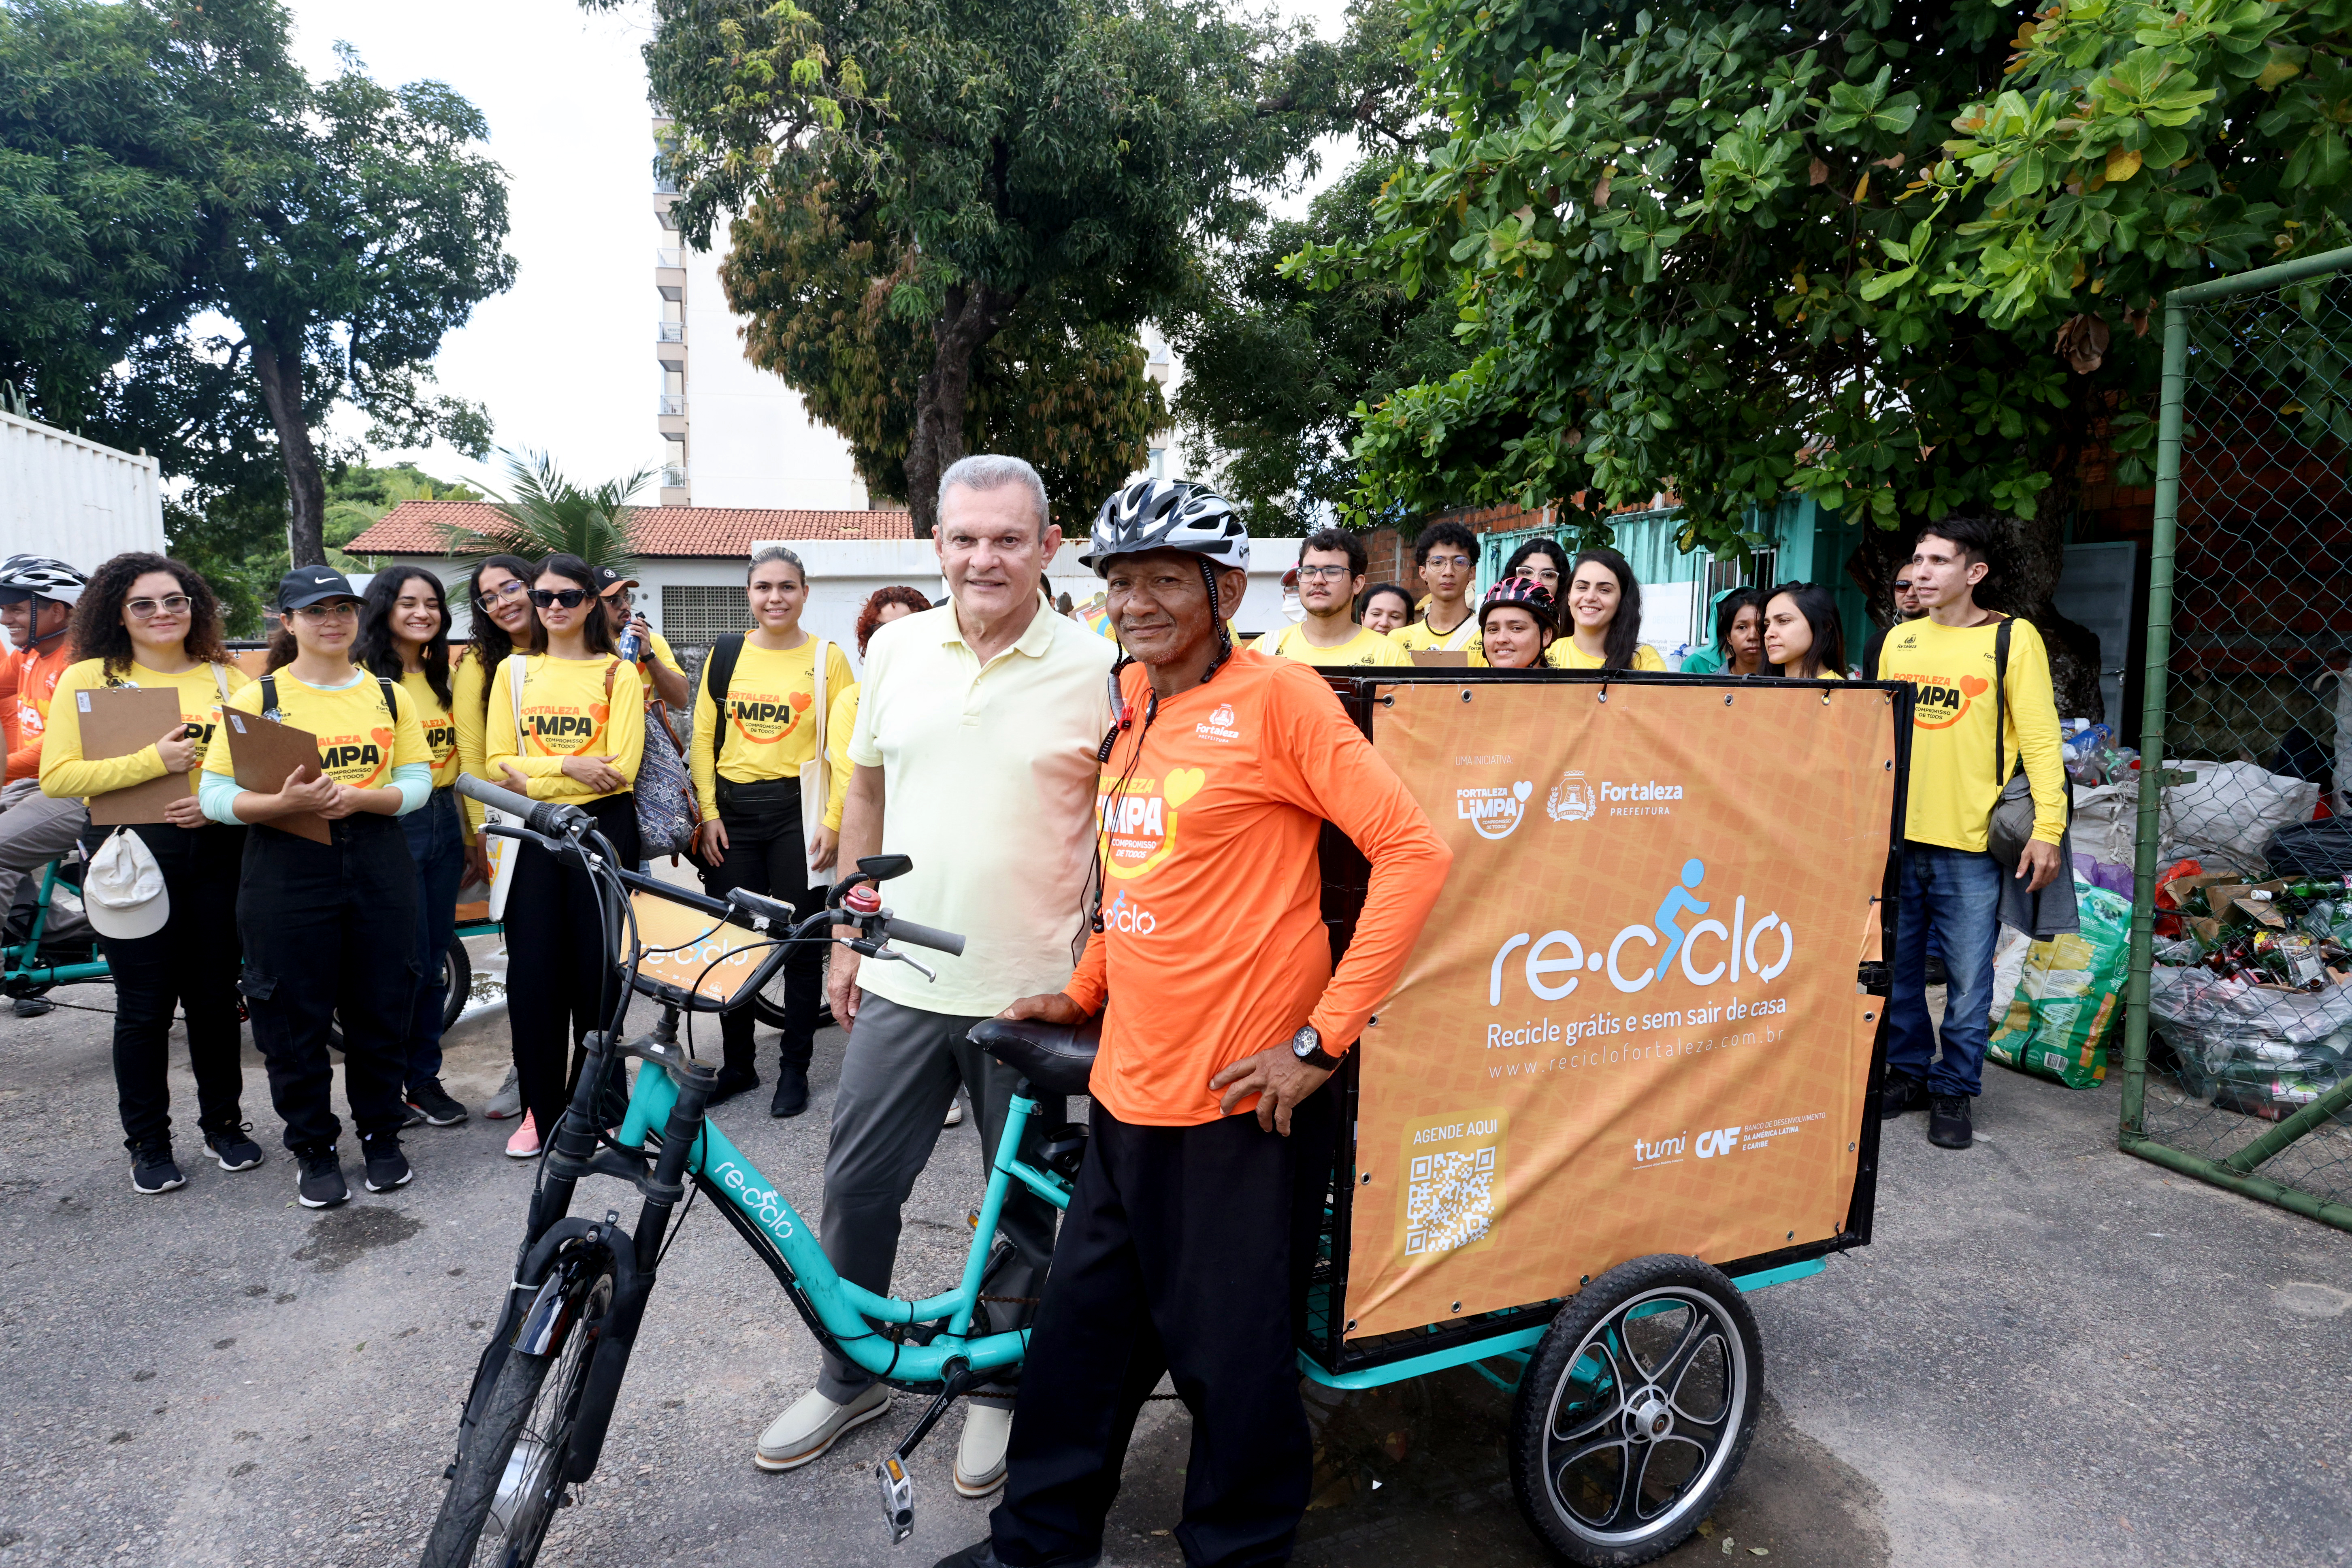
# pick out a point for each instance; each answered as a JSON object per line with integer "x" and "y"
{"x": 1307, "y": 1046}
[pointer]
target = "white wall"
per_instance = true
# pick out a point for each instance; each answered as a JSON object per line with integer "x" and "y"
{"x": 74, "y": 500}
{"x": 750, "y": 441}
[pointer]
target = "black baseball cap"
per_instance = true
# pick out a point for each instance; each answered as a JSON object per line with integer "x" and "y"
{"x": 309, "y": 585}
{"x": 609, "y": 578}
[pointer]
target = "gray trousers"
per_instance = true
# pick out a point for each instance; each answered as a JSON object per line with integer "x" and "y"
{"x": 896, "y": 1082}
{"x": 34, "y": 831}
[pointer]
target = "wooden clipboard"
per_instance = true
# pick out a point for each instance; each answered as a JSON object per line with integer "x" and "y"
{"x": 265, "y": 754}
{"x": 117, "y": 722}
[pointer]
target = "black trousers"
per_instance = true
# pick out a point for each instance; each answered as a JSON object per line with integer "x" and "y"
{"x": 560, "y": 979}
{"x": 191, "y": 965}
{"x": 1185, "y": 1251}
{"x": 328, "y": 931}
{"x": 767, "y": 854}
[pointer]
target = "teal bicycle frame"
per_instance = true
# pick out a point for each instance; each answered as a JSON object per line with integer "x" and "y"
{"x": 24, "y": 974}
{"x": 847, "y": 1310}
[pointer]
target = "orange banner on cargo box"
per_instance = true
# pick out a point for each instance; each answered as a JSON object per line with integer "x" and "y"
{"x": 1632, "y": 1024}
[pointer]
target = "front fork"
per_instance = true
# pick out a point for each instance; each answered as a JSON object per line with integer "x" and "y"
{"x": 556, "y": 1246}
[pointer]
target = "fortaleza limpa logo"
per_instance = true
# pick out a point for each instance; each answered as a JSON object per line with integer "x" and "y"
{"x": 1494, "y": 811}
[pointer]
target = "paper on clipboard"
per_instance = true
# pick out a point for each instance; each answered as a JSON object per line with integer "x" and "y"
{"x": 263, "y": 754}
{"x": 117, "y": 722}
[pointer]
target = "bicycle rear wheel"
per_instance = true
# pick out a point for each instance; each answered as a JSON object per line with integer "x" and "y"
{"x": 508, "y": 1481}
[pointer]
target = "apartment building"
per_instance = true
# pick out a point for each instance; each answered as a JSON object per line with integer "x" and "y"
{"x": 737, "y": 436}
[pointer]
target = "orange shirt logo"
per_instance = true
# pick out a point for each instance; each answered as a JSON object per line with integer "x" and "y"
{"x": 564, "y": 732}
{"x": 357, "y": 761}
{"x": 764, "y": 720}
{"x": 1139, "y": 822}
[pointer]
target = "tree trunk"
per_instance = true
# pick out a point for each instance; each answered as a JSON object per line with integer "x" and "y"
{"x": 970, "y": 316}
{"x": 280, "y": 375}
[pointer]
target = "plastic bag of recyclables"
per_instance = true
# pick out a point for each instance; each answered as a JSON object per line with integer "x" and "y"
{"x": 2056, "y": 1003}
{"x": 2243, "y": 1046}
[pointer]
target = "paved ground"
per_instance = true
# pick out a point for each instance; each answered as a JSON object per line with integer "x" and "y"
{"x": 2053, "y": 1354}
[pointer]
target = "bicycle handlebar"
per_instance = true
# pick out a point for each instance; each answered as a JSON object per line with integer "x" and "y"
{"x": 945, "y": 942}
{"x": 553, "y": 818}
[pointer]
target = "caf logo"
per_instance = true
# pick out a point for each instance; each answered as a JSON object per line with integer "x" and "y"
{"x": 1572, "y": 799}
{"x": 1224, "y": 717}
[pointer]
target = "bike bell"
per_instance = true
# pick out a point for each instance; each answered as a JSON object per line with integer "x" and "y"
{"x": 863, "y": 899}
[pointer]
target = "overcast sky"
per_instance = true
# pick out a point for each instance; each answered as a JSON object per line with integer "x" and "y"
{"x": 565, "y": 359}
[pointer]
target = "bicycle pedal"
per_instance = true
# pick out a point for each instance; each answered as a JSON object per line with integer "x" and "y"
{"x": 897, "y": 1497}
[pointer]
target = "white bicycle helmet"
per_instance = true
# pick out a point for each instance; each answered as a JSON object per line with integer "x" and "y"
{"x": 1167, "y": 514}
{"x": 38, "y": 577}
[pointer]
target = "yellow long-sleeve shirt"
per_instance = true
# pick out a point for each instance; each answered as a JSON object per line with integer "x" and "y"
{"x": 67, "y": 774}
{"x": 567, "y": 712}
{"x": 468, "y": 696}
{"x": 771, "y": 717}
{"x": 1953, "y": 779}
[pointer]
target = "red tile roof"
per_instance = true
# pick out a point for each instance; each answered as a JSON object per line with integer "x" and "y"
{"x": 421, "y": 528}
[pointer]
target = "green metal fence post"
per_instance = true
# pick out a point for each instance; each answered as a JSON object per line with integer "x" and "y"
{"x": 2151, "y": 724}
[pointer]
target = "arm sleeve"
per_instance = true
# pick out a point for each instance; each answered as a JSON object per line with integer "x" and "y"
{"x": 700, "y": 759}
{"x": 1352, "y": 787}
{"x": 67, "y": 774}
{"x": 1089, "y": 985}
{"x": 466, "y": 713}
{"x": 415, "y": 783}
{"x": 624, "y": 727}
{"x": 2033, "y": 727}
{"x": 839, "y": 725}
{"x": 216, "y": 798}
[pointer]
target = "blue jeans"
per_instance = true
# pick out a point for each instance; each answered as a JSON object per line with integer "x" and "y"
{"x": 1955, "y": 894}
{"x": 437, "y": 842}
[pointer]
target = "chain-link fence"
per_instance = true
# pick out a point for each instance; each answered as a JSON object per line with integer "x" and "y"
{"x": 2238, "y": 1056}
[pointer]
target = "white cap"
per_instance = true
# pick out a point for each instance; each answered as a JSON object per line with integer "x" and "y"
{"x": 122, "y": 890}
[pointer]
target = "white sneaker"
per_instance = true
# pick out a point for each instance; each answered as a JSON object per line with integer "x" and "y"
{"x": 955, "y": 1113}
{"x": 813, "y": 1424}
{"x": 980, "y": 1457}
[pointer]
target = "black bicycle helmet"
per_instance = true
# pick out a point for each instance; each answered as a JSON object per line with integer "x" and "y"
{"x": 1167, "y": 514}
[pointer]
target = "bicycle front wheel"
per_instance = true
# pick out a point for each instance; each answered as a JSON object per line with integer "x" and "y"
{"x": 510, "y": 1481}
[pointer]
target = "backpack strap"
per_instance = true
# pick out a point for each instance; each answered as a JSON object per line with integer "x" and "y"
{"x": 719, "y": 672}
{"x": 220, "y": 680}
{"x": 391, "y": 708}
{"x": 269, "y": 692}
{"x": 2001, "y": 702}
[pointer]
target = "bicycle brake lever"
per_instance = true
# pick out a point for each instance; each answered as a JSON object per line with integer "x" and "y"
{"x": 916, "y": 964}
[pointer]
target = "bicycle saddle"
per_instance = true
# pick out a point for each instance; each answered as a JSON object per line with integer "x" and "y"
{"x": 1055, "y": 1057}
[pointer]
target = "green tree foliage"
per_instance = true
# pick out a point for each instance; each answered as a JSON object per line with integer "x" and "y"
{"x": 1888, "y": 254}
{"x": 164, "y": 162}
{"x": 1060, "y": 157}
{"x": 1068, "y": 395}
{"x": 547, "y": 514}
{"x": 1275, "y": 369}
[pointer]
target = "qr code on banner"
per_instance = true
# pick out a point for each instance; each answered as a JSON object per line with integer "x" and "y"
{"x": 1450, "y": 1200}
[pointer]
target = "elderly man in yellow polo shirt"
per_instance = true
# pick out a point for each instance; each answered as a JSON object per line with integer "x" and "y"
{"x": 974, "y": 753}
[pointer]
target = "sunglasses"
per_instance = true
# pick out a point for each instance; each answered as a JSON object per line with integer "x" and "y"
{"x": 570, "y": 599}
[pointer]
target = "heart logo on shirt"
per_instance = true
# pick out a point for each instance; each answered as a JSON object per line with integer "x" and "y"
{"x": 599, "y": 711}
{"x": 1182, "y": 785}
{"x": 383, "y": 738}
{"x": 801, "y": 701}
{"x": 1973, "y": 685}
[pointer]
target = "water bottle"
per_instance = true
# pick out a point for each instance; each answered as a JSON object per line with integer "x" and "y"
{"x": 631, "y": 647}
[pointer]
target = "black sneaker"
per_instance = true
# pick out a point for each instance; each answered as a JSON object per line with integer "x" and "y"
{"x": 792, "y": 1092}
{"x": 1947, "y": 1122}
{"x": 153, "y": 1170}
{"x": 431, "y": 1104}
{"x": 731, "y": 1084}
{"x": 234, "y": 1150}
{"x": 1934, "y": 973}
{"x": 38, "y": 1006}
{"x": 388, "y": 1167}
{"x": 321, "y": 1187}
{"x": 1903, "y": 1092}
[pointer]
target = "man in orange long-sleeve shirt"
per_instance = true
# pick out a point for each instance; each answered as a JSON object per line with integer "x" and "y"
{"x": 37, "y": 602}
{"x": 1223, "y": 1016}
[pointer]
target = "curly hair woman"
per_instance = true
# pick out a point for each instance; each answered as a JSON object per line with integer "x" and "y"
{"x": 150, "y": 622}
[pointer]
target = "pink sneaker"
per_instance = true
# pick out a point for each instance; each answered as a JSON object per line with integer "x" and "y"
{"x": 524, "y": 1145}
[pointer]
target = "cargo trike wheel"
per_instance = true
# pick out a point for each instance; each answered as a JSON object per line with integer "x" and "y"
{"x": 1636, "y": 1411}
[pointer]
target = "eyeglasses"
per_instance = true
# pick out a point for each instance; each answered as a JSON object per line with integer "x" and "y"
{"x": 148, "y": 609}
{"x": 340, "y": 610}
{"x": 514, "y": 586}
{"x": 570, "y": 599}
{"x": 620, "y": 596}
{"x": 1459, "y": 563}
{"x": 1547, "y": 575}
{"x": 1324, "y": 573}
